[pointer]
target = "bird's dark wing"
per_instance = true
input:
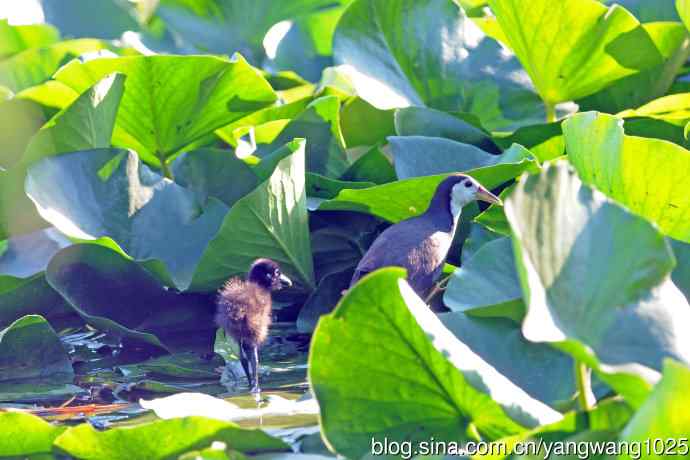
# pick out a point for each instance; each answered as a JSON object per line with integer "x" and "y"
{"x": 409, "y": 244}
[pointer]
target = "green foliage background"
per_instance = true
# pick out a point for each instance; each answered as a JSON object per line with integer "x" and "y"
{"x": 149, "y": 150}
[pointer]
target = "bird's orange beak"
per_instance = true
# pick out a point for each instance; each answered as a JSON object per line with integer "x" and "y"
{"x": 485, "y": 195}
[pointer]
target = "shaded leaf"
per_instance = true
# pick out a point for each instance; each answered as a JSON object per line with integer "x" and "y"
{"x": 487, "y": 284}
{"x": 323, "y": 300}
{"x": 269, "y": 222}
{"x": 225, "y": 27}
{"x": 540, "y": 370}
{"x": 681, "y": 274}
{"x": 82, "y": 18}
{"x": 30, "y": 349}
{"x": 320, "y": 125}
{"x": 568, "y": 238}
{"x": 420, "y": 121}
{"x": 145, "y": 214}
{"x": 214, "y": 173}
{"x": 87, "y": 123}
{"x": 117, "y": 296}
{"x": 415, "y": 156}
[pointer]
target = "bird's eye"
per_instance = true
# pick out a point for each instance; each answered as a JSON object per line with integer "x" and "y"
{"x": 468, "y": 184}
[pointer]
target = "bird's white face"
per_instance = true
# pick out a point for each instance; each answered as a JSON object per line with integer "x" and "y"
{"x": 465, "y": 192}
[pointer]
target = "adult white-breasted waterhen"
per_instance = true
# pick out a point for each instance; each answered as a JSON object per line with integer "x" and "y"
{"x": 244, "y": 311}
{"x": 420, "y": 244}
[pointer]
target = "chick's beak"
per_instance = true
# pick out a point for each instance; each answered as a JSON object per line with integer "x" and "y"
{"x": 285, "y": 281}
{"x": 485, "y": 195}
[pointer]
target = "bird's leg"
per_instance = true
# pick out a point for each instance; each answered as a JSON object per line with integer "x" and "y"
{"x": 251, "y": 352}
{"x": 245, "y": 361}
{"x": 438, "y": 287}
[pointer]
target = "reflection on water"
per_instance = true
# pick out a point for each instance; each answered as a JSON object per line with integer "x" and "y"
{"x": 108, "y": 373}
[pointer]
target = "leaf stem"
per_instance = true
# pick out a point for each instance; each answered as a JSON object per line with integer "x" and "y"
{"x": 583, "y": 380}
{"x": 550, "y": 112}
{"x": 167, "y": 172}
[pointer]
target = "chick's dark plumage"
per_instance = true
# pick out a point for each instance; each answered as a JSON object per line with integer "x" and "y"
{"x": 244, "y": 312}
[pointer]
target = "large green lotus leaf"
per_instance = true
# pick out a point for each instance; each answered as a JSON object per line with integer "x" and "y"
{"x": 28, "y": 296}
{"x": 14, "y": 39}
{"x": 320, "y": 125}
{"x": 227, "y": 26}
{"x": 671, "y": 40}
{"x": 172, "y": 101}
{"x": 23, "y": 435}
{"x": 405, "y": 53}
{"x": 422, "y": 121}
{"x": 115, "y": 295}
{"x": 269, "y": 222}
{"x": 487, "y": 283}
{"x": 110, "y": 193}
{"x": 415, "y": 156}
{"x": 662, "y": 417}
{"x": 85, "y": 124}
{"x": 214, "y": 173}
{"x": 162, "y": 439}
{"x": 383, "y": 365}
{"x": 406, "y": 198}
{"x": 649, "y": 176}
{"x": 568, "y": 238}
{"x": 681, "y": 274}
{"x": 540, "y": 370}
{"x": 36, "y": 65}
{"x": 30, "y": 349}
{"x": 574, "y": 48}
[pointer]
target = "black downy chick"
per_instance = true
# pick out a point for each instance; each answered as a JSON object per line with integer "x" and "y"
{"x": 244, "y": 311}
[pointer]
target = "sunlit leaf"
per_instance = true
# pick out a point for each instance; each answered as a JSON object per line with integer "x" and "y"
{"x": 383, "y": 365}
{"x": 649, "y": 176}
{"x": 171, "y": 101}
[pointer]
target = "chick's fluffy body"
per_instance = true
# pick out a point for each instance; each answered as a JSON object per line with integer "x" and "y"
{"x": 244, "y": 311}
